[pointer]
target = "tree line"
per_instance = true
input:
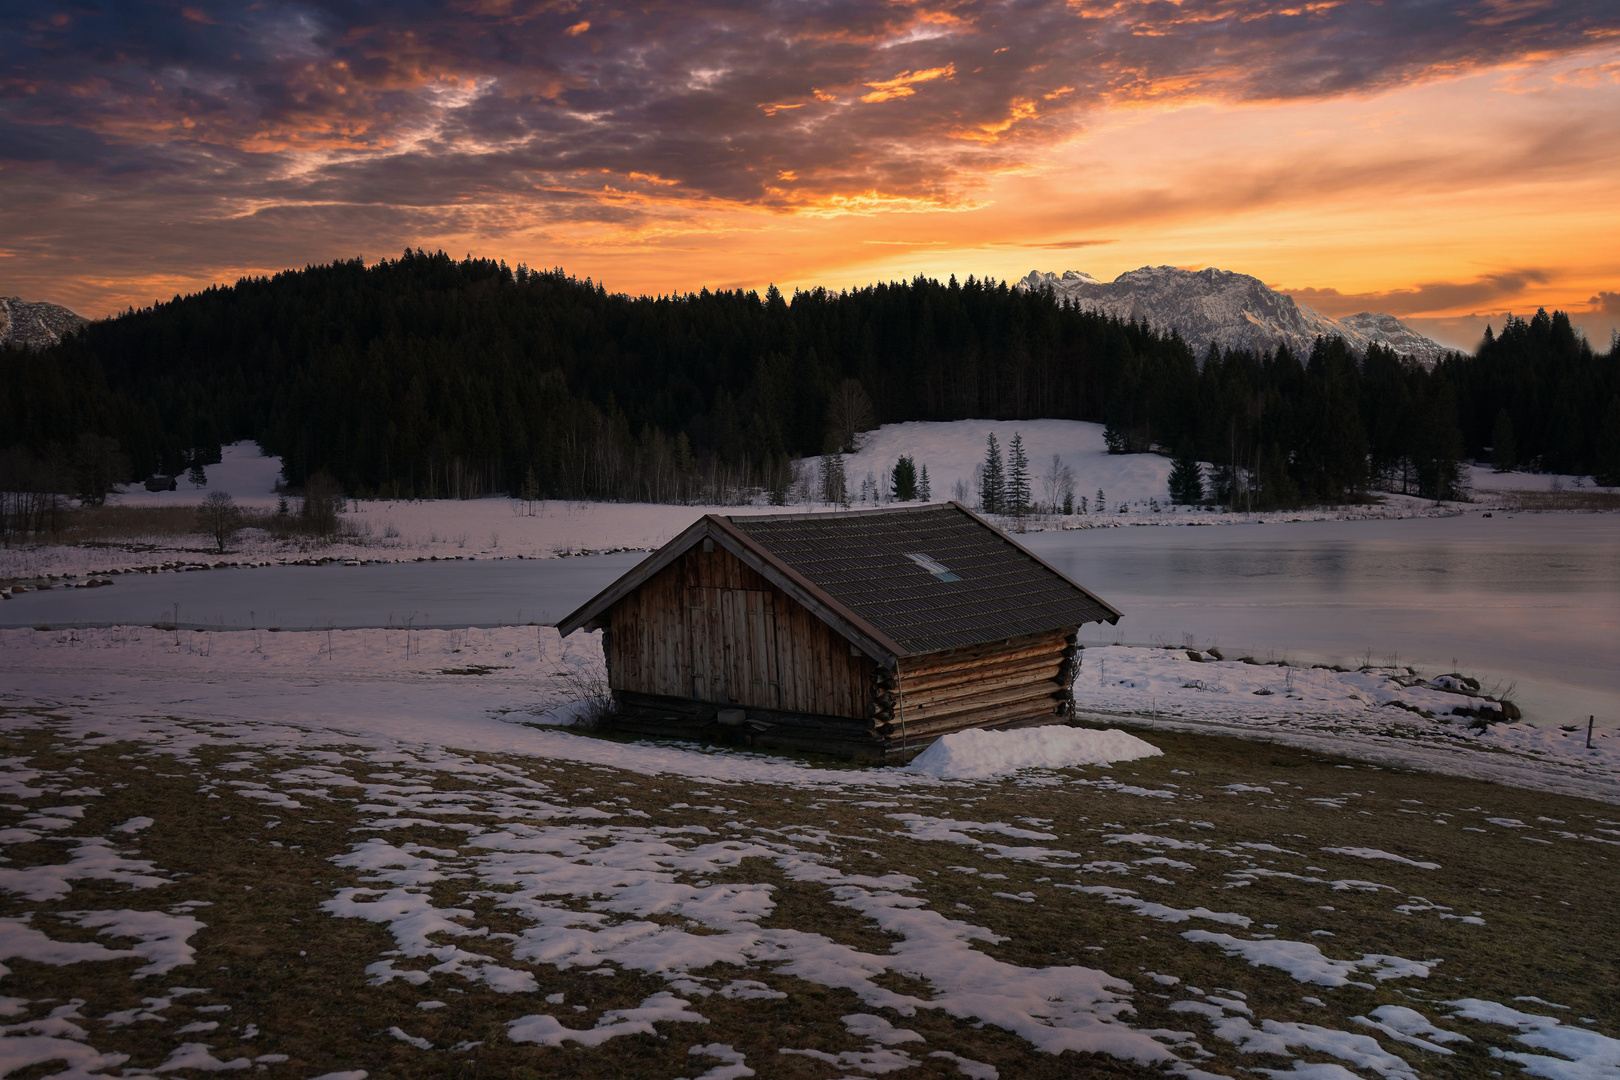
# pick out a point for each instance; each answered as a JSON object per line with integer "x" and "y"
{"x": 425, "y": 376}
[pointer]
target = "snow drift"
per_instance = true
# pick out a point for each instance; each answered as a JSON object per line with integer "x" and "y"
{"x": 966, "y": 755}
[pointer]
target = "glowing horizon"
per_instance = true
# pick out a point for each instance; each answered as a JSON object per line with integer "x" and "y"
{"x": 1444, "y": 167}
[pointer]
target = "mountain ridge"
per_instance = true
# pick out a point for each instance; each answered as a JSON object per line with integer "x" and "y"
{"x": 1234, "y": 309}
{"x": 35, "y": 324}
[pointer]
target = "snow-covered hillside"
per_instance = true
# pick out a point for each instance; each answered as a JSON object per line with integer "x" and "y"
{"x": 952, "y": 450}
{"x": 35, "y": 325}
{"x": 1234, "y": 309}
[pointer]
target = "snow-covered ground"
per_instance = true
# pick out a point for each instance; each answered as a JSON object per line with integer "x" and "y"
{"x": 393, "y": 733}
{"x": 243, "y": 470}
{"x": 532, "y": 879}
{"x": 392, "y": 683}
{"x": 1376, "y": 714}
{"x": 1134, "y": 489}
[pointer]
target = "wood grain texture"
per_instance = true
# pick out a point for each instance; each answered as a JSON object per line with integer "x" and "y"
{"x": 709, "y": 628}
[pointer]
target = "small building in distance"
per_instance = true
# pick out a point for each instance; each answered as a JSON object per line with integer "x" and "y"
{"x": 865, "y": 634}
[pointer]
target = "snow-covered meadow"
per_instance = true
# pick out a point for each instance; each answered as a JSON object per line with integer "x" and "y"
{"x": 376, "y": 852}
{"x": 386, "y": 852}
{"x": 1134, "y": 489}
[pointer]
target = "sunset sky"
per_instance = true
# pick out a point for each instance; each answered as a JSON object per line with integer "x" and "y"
{"x": 1444, "y": 162}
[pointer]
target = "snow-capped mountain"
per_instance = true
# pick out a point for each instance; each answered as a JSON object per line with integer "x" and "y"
{"x": 35, "y": 325}
{"x": 1236, "y": 310}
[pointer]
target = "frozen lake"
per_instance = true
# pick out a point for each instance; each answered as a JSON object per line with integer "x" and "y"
{"x": 425, "y": 595}
{"x": 1531, "y": 599}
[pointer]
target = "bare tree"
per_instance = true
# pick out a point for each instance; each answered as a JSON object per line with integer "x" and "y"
{"x": 219, "y": 517}
{"x": 323, "y": 501}
{"x": 849, "y": 414}
{"x": 1057, "y": 484}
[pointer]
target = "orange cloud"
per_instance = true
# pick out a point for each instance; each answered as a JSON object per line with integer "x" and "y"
{"x": 901, "y": 85}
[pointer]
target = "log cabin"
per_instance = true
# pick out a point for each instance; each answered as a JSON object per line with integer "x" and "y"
{"x": 866, "y": 634}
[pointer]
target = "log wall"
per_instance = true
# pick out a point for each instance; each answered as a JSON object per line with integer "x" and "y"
{"x": 708, "y": 628}
{"x": 1026, "y": 680}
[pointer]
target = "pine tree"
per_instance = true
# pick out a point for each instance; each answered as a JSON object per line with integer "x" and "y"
{"x": 992, "y": 488}
{"x": 1017, "y": 478}
{"x": 834, "y": 486}
{"x": 1102, "y": 503}
{"x": 1115, "y": 440}
{"x": 1186, "y": 481}
{"x": 924, "y": 490}
{"x": 904, "y": 479}
{"x": 1504, "y": 455}
{"x": 198, "y": 476}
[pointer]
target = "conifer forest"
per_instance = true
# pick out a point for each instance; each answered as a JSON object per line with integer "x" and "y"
{"x": 424, "y": 376}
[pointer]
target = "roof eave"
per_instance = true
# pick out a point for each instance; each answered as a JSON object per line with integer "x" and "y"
{"x": 586, "y": 614}
{"x": 1115, "y": 614}
{"x": 861, "y": 633}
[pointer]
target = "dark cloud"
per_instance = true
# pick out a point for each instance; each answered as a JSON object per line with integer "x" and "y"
{"x": 1430, "y": 296}
{"x": 1606, "y": 302}
{"x": 764, "y": 101}
{"x": 174, "y": 122}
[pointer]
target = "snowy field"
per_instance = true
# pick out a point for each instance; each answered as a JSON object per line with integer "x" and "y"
{"x": 383, "y": 530}
{"x": 376, "y": 853}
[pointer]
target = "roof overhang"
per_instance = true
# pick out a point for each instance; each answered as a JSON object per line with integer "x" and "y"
{"x": 859, "y": 632}
{"x": 1115, "y": 613}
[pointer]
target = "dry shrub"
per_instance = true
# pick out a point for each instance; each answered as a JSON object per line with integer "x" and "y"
{"x": 1570, "y": 499}
{"x": 582, "y": 683}
{"x": 90, "y": 524}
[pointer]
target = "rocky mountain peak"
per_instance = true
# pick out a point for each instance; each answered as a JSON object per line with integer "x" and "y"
{"x": 1236, "y": 310}
{"x": 36, "y": 324}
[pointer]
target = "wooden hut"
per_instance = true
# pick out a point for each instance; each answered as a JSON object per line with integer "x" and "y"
{"x": 867, "y": 633}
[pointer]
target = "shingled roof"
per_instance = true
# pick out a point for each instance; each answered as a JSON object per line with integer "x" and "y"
{"x": 898, "y": 581}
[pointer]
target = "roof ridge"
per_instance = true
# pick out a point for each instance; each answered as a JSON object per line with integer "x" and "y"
{"x": 869, "y": 511}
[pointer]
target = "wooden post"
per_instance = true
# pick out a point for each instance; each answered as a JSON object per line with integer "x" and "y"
{"x": 1589, "y": 719}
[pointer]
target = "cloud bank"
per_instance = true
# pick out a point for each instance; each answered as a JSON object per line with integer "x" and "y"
{"x": 153, "y": 131}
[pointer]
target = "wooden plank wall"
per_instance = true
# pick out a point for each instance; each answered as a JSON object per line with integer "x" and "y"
{"x": 983, "y": 686}
{"x": 708, "y": 627}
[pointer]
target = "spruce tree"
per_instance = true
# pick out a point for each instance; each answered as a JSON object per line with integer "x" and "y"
{"x": 834, "y": 486}
{"x": 904, "y": 479}
{"x": 1186, "y": 481}
{"x": 1115, "y": 440}
{"x": 1017, "y": 478}
{"x": 1102, "y": 503}
{"x": 924, "y": 490}
{"x": 992, "y": 488}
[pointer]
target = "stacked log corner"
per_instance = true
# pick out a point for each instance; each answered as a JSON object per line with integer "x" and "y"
{"x": 1014, "y": 683}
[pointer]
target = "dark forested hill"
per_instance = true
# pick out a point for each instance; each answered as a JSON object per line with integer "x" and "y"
{"x": 424, "y": 376}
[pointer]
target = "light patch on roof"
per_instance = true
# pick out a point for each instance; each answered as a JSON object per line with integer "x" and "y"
{"x": 933, "y": 566}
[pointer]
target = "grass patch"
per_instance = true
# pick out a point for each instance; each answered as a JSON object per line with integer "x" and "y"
{"x": 298, "y": 974}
